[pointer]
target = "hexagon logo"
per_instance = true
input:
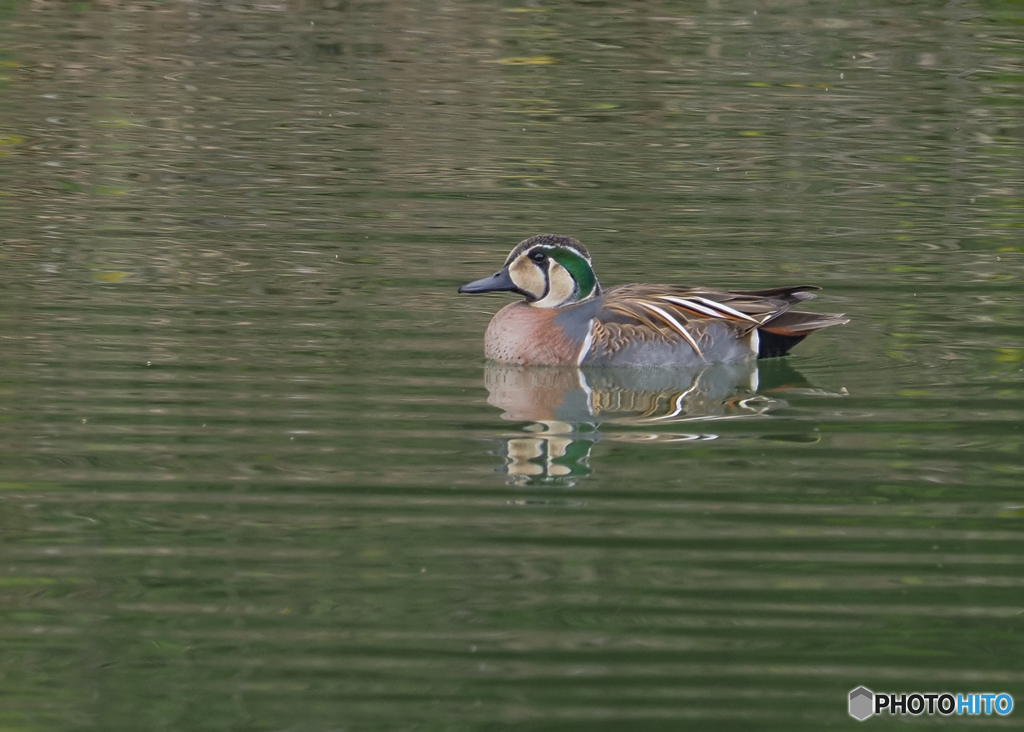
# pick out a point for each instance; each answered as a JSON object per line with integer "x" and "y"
{"x": 862, "y": 703}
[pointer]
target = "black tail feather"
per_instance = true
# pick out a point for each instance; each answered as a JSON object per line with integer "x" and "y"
{"x": 771, "y": 344}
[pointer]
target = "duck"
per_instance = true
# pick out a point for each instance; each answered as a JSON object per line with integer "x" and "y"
{"x": 568, "y": 319}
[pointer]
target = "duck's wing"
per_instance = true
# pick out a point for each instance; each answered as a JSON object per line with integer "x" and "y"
{"x": 664, "y": 312}
{"x": 665, "y": 305}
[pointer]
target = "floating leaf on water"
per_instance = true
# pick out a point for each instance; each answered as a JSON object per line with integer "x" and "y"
{"x": 1009, "y": 355}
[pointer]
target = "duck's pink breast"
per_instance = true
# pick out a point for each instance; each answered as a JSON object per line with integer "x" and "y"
{"x": 528, "y": 336}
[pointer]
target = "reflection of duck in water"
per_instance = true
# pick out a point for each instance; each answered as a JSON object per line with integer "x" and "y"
{"x": 567, "y": 407}
{"x": 567, "y": 319}
{"x": 623, "y": 396}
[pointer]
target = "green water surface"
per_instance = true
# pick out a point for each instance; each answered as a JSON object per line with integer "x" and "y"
{"x": 254, "y": 474}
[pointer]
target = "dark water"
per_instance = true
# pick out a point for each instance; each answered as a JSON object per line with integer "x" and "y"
{"x": 250, "y": 476}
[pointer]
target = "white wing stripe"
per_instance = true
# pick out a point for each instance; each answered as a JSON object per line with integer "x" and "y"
{"x": 725, "y": 309}
{"x": 710, "y": 307}
{"x": 587, "y": 343}
{"x": 690, "y": 305}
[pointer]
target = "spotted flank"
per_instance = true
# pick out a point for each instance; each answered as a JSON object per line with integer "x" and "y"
{"x": 673, "y": 324}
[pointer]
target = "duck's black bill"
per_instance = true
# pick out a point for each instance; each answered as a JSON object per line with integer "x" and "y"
{"x": 497, "y": 282}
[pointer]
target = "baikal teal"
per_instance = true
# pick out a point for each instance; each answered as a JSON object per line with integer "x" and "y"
{"x": 568, "y": 319}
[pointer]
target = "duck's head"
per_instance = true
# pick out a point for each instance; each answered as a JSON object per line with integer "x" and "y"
{"x": 548, "y": 270}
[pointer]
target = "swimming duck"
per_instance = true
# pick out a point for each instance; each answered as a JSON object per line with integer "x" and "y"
{"x": 567, "y": 318}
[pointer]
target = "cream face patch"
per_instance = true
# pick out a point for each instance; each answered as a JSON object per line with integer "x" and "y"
{"x": 528, "y": 277}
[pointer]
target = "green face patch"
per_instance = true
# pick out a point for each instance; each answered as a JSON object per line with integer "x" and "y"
{"x": 580, "y": 270}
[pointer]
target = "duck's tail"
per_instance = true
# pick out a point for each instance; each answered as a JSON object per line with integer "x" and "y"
{"x": 785, "y": 330}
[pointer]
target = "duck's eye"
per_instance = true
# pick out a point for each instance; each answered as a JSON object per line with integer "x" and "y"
{"x": 538, "y": 257}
